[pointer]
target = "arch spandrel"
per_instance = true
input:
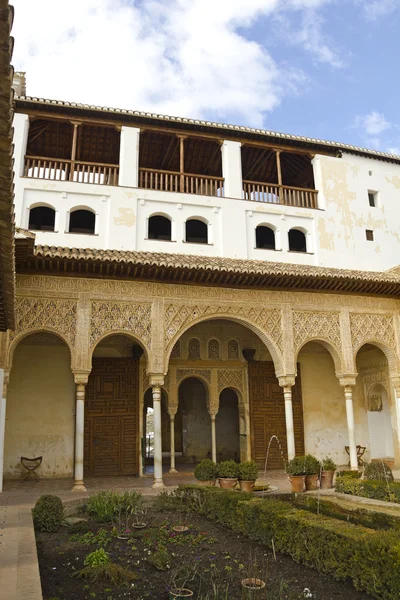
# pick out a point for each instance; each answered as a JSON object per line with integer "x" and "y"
{"x": 377, "y": 330}
{"x": 265, "y": 323}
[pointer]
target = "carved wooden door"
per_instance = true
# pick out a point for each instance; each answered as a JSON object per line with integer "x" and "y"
{"x": 111, "y": 418}
{"x": 267, "y": 415}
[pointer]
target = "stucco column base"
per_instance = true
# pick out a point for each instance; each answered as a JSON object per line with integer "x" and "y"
{"x": 79, "y": 486}
{"x": 172, "y": 471}
{"x": 158, "y": 484}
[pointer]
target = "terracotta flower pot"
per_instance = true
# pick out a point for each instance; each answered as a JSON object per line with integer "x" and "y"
{"x": 180, "y": 528}
{"x": 181, "y": 593}
{"x": 298, "y": 482}
{"x": 254, "y": 584}
{"x": 327, "y": 480}
{"x": 246, "y": 486}
{"x": 311, "y": 482}
{"x": 228, "y": 483}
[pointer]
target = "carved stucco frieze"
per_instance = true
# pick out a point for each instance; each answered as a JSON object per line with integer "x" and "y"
{"x": 230, "y": 378}
{"x": 184, "y": 373}
{"x": 132, "y": 317}
{"x": 58, "y": 315}
{"x": 367, "y": 327}
{"x": 178, "y": 316}
{"x": 309, "y": 325}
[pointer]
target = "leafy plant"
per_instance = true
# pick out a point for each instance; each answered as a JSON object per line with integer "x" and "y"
{"x": 312, "y": 465}
{"x": 109, "y": 573}
{"x": 228, "y": 469}
{"x": 96, "y": 558}
{"x": 328, "y": 464}
{"x": 161, "y": 560}
{"x": 379, "y": 471}
{"x": 182, "y": 575}
{"x": 369, "y": 488}
{"x": 248, "y": 471}
{"x": 349, "y": 474}
{"x": 206, "y": 470}
{"x": 296, "y": 466}
{"x": 102, "y": 505}
{"x": 48, "y": 514}
{"x": 102, "y": 537}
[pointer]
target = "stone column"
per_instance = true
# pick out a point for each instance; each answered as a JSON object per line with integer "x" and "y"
{"x": 395, "y": 381}
{"x": 129, "y": 157}
{"x": 4, "y": 376}
{"x": 348, "y": 383}
{"x": 213, "y": 438}
{"x": 287, "y": 383}
{"x": 156, "y": 383}
{"x": 213, "y": 408}
{"x": 232, "y": 169}
{"x": 81, "y": 380}
{"x": 172, "y": 440}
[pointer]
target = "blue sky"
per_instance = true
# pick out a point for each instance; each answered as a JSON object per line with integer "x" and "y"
{"x": 321, "y": 68}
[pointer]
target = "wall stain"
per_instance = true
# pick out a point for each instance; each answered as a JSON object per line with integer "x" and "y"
{"x": 126, "y": 217}
{"x": 395, "y": 181}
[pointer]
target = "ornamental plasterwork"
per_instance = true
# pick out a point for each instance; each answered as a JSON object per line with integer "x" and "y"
{"x": 194, "y": 349}
{"x": 213, "y": 349}
{"x": 178, "y": 316}
{"x": 134, "y": 318}
{"x": 233, "y": 350}
{"x": 230, "y": 378}
{"x": 368, "y": 327}
{"x": 176, "y": 350}
{"x": 58, "y": 315}
{"x": 309, "y": 325}
{"x": 184, "y": 373}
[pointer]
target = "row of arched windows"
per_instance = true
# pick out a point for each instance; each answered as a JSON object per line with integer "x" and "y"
{"x": 265, "y": 238}
{"x": 160, "y": 228}
{"x": 213, "y": 350}
{"x": 42, "y": 218}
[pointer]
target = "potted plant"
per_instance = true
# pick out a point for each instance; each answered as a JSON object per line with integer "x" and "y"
{"x": 295, "y": 468}
{"x": 228, "y": 474}
{"x": 312, "y": 468}
{"x": 206, "y": 472}
{"x": 248, "y": 473}
{"x": 180, "y": 578}
{"x": 328, "y": 468}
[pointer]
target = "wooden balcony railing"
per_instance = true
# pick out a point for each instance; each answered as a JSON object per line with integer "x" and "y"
{"x": 280, "y": 194}
{"x": 38, "y": 167}
{"x": 187, "y": 183}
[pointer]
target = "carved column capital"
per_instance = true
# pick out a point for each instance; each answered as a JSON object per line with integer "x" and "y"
{"x": 287, "y": 381}
{"x": 6, "y": 379}
{"x": 348, "y": 380}
{"x": 81, "y": 377}
{"x": 156, "y": 379}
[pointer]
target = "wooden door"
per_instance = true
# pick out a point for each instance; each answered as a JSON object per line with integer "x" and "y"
{"x": 267, "y": 414}
{"x": 111, "y": 418}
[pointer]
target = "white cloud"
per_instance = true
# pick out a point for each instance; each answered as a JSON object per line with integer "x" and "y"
{"x": 373, "y": 9}
{"x": 169, "y": 56}
{"x": 373, "y": 124}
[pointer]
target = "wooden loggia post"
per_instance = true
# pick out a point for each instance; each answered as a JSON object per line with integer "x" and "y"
{"x": 279, "y": 172}
{"x": 182, "y": 162}
{"x": 74, "y": 146}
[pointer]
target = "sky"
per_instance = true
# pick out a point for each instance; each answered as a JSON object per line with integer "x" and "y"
{"x": 321, "y": 68}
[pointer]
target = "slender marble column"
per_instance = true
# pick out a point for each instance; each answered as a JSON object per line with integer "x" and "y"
{"x": 172, "y": 442}
{"x": 213, "y": 439}
{"x": 287, "y": 393}
{"x": 79, "y": 485}
{"x": 3, "y": 395}
{"x": 350, "y": 427}
{"x": 158, "y": 476}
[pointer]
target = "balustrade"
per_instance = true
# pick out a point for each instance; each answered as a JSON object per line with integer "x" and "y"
{"x": 280, "y": 194}
{"x": 37, "y": 167}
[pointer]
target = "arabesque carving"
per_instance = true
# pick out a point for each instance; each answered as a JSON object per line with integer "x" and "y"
{"x": 184, "y": 373}
{"x": 132, "y": 317}
{"x": 309, "y": 325}
{"x": 58, "y": 315}
{"x": 230, "y": 378}
{"x": 367, "y": 327}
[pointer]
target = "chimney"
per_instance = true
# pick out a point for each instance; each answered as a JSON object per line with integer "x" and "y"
{"x": 19, "y": 83}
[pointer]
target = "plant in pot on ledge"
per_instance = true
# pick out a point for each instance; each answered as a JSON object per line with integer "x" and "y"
{"x": 248, "y": 473}
{"x": 296, "y": 470}
{"x": 206, "y": 472}
{"x": 328, "y": 468}
{"x": 312, "y": 468}
{"x": 228, "y": 473}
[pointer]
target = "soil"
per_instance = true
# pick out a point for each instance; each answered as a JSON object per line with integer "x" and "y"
{"x": 217, "y": 555}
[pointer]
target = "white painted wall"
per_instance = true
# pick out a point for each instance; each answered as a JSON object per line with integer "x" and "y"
{"x": 335, "y": 232}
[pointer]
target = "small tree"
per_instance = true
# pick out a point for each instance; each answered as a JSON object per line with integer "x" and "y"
{"x": 48, "y": 514}
{"x": 206, "y": 470}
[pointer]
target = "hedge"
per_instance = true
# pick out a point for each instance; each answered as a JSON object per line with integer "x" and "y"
{"x": 369, "y": 558}
{"x": 369, "y": 488}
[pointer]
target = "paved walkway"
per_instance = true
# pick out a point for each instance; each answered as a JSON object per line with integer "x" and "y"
{"x": 19, "y": 570}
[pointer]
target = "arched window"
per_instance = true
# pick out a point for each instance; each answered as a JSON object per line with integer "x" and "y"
{"x": 233, "y": 350}
{"x": 265, "y": 237}
{"x": 297, "y": 241}
{"x": 213, "y": 349}
{"x": 159, "y": 228}
{"x": 194, "y": 349}
{"x": 42, "y": 218}
{"x": 196, "y": 231}
{"x": 82, "y": 221}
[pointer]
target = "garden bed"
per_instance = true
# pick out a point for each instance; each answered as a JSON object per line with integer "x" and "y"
{"x": 218, "y": 556}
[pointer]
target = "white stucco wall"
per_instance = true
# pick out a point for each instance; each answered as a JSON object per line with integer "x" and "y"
{"x": 336, "y": 231}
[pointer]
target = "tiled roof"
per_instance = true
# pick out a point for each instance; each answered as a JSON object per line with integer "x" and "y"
{"x": 7, "y": 264}
{"x": 205, "y": 270}
{"x": 196, "y": 123}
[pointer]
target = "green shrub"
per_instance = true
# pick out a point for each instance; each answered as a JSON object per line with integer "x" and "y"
{"x": 248, "y": 471}
{"x": 206, "y": 470}
{"x": 102, "y": 505}
{"x": 296, "y": 466}
{"x": 371, "y": 559}
{"x": 228, "y": 469}
{"x": 328, "y": 464}
{"x": 109, "y": 573}
{"x": 119, "y": 507}
{"x": 350, "y": 474}
{"x": 96, "y": 558}
{"x": 48, "y": 514}
{"x": 161, "y": 560}
{"x": 311, "y": 464}
{"x": 378, "y": 470}
{"x": 369, "y": 488}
